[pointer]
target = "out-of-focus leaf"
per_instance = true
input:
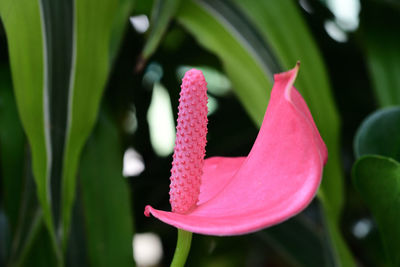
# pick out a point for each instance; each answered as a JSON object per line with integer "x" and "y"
{"x": 161, "y": 15}
{"x": 379, "y": 134}
{"x": 40, "y": 252}
{"x": 255, "y": 39}
{"x": 31, "y": 231}
{"x": 12, "y": 143}
{"x": 240, "y": 57}
{"x": 29, "y": 221}
{"x": 282, "y": 27}
{"x": 121, "y": 20}
{"x": 377, "y": 179}
{"x": 106, "y": 199}
{"x": 22, "y": 22}
{"x": 380, "y": 31}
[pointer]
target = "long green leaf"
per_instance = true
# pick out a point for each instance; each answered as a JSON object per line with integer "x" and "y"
{"x": 93, "y": 25}
{"x": 24, "y": 29}
{"x": 106, "y": 199}
{"x": 255, "y": 39}
{"x": 377, "y": 179}
{"x": 60, "y": 55}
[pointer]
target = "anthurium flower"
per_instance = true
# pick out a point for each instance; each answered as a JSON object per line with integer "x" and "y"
{"x": 232, "y": 196}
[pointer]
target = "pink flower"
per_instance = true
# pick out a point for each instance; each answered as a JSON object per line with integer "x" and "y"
{"x": 232, "y": 196}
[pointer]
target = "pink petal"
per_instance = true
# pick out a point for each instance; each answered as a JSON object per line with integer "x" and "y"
{"x": 276, "y": 181}
{"x": 218, "y": 171}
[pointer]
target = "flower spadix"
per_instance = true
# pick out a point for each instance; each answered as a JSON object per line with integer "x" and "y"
{"x": 190, "y": 143}
{"x": 276, "y": 181}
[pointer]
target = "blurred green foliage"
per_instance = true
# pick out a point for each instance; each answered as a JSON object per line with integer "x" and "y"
{"x": 76, "y": 83}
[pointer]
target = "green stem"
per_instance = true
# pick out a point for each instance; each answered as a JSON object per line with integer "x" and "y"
{"x": 182, "y": 248}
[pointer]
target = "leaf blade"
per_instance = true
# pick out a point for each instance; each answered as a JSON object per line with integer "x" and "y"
{"x": 26, "y": 46}
{"x": 377, "y": 179}
{"x": 103, "y": 189}
{"x": 378, "y": 134}
{"x": 92, "y": 32}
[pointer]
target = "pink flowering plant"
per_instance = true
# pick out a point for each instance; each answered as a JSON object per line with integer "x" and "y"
{"x": 240, "y": 195}
{"x": 89, "y": 91}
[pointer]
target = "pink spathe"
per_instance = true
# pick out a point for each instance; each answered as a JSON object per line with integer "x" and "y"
{"x": 277, "y": 180}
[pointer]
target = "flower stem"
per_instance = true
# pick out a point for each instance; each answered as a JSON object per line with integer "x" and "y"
{"x": 182, "y": 248}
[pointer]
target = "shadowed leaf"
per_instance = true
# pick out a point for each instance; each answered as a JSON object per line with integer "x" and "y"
{"x": 379, "y": 134}
{"x": 378, "y": 181}
{"x": 106, "y": 199}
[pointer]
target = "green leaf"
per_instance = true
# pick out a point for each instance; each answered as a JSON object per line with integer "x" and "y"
{"x": 12, "y": 150}
{"x": 60, "y": 56}
{"x": 93, "y": 26}
{"x": 106, "y": 199}
{"x": 255, "y": 39}
{"x": 30, "y": 225}
{"x": 382, "y": 49}
{"x": 161, "y": 15}
{"x": 40, "y": 251}
{"x": 377, "y": 179}
{"x": 29, "y": 221}
{"x": 25, "y": 45}
{"x": 379, "y": 134}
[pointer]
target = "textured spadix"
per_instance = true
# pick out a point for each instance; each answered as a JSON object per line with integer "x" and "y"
{"x": 190, "y": 142}
{"x": 276, "y": 181}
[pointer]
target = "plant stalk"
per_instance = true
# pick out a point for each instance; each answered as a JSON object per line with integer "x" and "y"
{"x": 182, "y": 248}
